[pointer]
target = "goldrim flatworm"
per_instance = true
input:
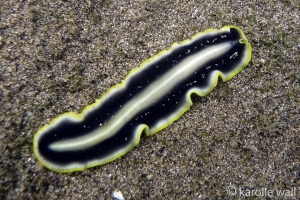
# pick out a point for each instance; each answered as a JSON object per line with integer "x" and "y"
{"x": 150, "y": 98}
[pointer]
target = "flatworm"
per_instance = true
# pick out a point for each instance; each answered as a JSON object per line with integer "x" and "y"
{"x": 150, "y": 98}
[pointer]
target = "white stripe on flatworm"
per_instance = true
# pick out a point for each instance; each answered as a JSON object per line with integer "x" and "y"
{"x": 152, "y": 93}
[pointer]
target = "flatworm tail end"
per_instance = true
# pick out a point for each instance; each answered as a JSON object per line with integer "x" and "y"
{"x": 150, "y": 98}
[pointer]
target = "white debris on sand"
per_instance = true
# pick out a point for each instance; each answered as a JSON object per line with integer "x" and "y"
{"x": 118, "y": 195}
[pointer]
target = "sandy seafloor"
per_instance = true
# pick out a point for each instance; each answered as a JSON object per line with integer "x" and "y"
{"x": 59, "y": 56}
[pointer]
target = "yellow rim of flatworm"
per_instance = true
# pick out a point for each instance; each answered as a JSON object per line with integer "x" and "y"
{"x": 142, "y": 128}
